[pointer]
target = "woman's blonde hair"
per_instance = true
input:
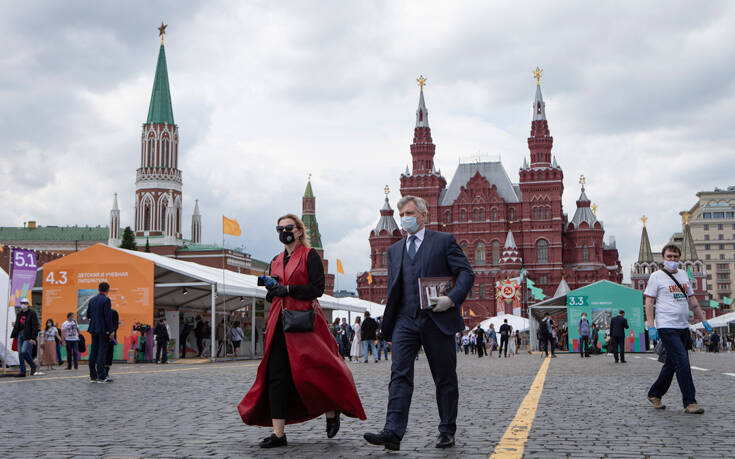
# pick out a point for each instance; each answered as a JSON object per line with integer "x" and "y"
{"x": 304, "y": 238}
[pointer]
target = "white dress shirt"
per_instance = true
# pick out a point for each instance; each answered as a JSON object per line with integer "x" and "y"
{"x": 419, "y": 239}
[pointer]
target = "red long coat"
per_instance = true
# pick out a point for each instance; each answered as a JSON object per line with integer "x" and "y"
{"x": 321, "y": 378}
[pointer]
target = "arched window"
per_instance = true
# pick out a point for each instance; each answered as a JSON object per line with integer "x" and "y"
{"x": 480, "y": 253}
{"x": 542, "y": 251}
{"x": 163, "y": 218}
{"x": 535, "y": 213}
{"x": 482, "y": 215}
{"x": 585, "y": 253}
{"x": 548, "y": 213}
{"x": 481, "y": 288}
{"x": 165, "y": 153}
{"x": 512, "y": 214}
{"x": 384, "y": 259}
{"x": 147, "y": 217}
{"x": 476, "y": 215}
{"x": 495, "y": 213}
{"x": 463, "y": 213}
{"x": 496, "y": 252}
{"x": 151, "y": 151}
{"x": 448, "y": 217}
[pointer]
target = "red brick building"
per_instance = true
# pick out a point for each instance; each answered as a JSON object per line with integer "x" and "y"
{"x": 485, "y": 210}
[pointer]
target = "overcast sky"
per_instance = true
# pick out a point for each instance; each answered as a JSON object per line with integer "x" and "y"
{"x": 638, "y": 97}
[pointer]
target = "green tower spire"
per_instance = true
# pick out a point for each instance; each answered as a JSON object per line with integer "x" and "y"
{"x": 688, "y": 250}
{"x": 159, "y": 110}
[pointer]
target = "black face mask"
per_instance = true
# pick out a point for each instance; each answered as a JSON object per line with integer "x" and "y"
{"x": 286, "y": 237}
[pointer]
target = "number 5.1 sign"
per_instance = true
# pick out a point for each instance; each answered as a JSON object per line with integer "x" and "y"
{"x": 577, "y": 300}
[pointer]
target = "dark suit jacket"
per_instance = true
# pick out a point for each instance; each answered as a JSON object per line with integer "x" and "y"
{"x": 618, "y": 324}
{"x": 439, "y": 256}
{"x": 99, "y": 313}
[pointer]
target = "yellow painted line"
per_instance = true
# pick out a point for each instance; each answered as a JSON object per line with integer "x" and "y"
{"x": 516, "y": 435}
{"x": 115, "y": 374}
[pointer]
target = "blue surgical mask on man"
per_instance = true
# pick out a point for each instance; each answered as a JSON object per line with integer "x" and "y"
{"x": 409, "y": 224}
{"x": 671, "y": 265}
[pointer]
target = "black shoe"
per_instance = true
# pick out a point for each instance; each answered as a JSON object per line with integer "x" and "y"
{"x": 333, "y": 425}
{"x": 445, "y": 441}
{"x": 385, "y": 438}
{"x": 273, "y": 441}
{"x": 106, "y": 380}
{"x": 33, "y": 371}
{"x": 623, "y": 361}
{"x": 20, "y": 375}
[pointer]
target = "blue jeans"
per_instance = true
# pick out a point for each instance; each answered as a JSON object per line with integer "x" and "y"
{"x": 25, "y": 347}
{"x": 369, "y": 344}
{"x": 677, "y": 362}
{"x": 382, "y": 348}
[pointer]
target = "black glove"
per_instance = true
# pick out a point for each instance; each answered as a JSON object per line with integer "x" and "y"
{"x": 279, "y": 290}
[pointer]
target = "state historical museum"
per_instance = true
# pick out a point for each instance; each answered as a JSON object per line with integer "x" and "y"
{"x": 501, "y": 226}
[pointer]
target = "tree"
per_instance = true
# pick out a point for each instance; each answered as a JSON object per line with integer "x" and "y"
{"x": 147, "y": 245}
{"x": 128, "y": 239}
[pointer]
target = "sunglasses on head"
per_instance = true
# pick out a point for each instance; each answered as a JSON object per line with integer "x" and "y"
{"x": 290, "y": 227}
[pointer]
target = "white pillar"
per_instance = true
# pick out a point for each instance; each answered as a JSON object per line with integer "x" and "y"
{"x": 213, "y": 324}
{"x": 252, "y": 329}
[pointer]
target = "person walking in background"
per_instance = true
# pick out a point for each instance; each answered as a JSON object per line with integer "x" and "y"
{"x": 70, "y": 330}
{"x": 162, "y": 337}
{"x": 505, "y": 331}
{"x": 236, "y": 336}
{"x": 618, "y": 325}
{"x": 345, "y": 339}
{"x": 183, "y": 336}
{"x": 546, "y": 334}
{"x": 368, "y": 335}
{"x": 715, "y": 341}
{"x": 301, "y": 375}
{"x": 512, "y": 345}
{"x": 382, "y": 344}
{"x": 673, "y": 295}
{"x": 466, "y": 344}
{"x": 431, "y": 254}
{"x": 99, "y": 313}
{"x": 48, "y": 351}
{"x": 356, "y": 348}
{"x": 113, "y": 341}
{"x": 58, "y": 343}
{"x": 26, "y": 330}
{"x": 480, "y": 341}
{"x": 492, "y": 339}
{"x": 517, "y": 338}
{"x": 199, "y": 334}
{"x": 583, "y": 328}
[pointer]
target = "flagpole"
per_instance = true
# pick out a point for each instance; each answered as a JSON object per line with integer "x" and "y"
{"x": 7, "y": 311}
{"x": 224, "y": 295}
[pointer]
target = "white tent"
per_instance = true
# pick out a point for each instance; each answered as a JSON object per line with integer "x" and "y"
{"x": 517, "y": 322}
{"x": 7, "y": 317}
{"x": 718, "y": 322}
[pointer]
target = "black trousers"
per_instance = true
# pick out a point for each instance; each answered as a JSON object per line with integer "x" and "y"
{"x": 480, "y": 349}
{"x": 280, "y": 381}
{"x": 71, "y": 353}
{"x": 98, "y": 356}
{"x": 618, "y": 342}
{"x": 584, "y": 346}
{"x": 547, "y": 341}
{"x": 108, "y": 356}
{"x": 162, "y": 351}
{"x": 200, "y": 346}
{"x": 503, "y": 346}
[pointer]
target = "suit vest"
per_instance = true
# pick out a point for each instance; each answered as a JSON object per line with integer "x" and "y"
{"x": 410, "y": 271}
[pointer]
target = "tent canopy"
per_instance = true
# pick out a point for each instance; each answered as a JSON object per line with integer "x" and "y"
{"x": 718, "y": 322}
{"x": 517, "y": 322}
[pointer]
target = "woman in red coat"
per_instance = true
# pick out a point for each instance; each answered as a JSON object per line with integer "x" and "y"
{"x": 301, "y": 375}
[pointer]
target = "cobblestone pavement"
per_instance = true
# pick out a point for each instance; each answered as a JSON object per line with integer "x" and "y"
{"x": 588, "y": 408}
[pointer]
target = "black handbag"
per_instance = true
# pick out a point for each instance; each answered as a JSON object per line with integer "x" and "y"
{"x": 298, "y": 321}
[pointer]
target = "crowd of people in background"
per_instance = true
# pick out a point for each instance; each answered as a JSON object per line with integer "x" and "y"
{"x": 361, "y": 339}
{"x": 481, "y": 342}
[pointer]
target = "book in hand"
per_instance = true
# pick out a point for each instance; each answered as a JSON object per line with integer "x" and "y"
{"x": 431, "y": 288}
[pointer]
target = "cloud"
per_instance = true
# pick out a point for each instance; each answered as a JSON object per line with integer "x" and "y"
{"x": 638, "y": 99}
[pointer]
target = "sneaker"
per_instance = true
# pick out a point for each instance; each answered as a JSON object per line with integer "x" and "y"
{"x": 33, "y": 371}
{"x": 37, "y": 373}
{"x": 92, "y": 380}
{"x": 106, "y": 380}
{"x": 656, "y": 402}
{"x": 693, "y": 408}
{"x": 273, "y": 441}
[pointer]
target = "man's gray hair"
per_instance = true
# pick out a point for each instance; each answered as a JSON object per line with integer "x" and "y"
{"x": 419, "y": 202}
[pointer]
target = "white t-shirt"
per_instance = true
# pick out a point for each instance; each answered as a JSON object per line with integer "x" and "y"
{"x": 71, "y": 330}
{"x": 672, "y": 307}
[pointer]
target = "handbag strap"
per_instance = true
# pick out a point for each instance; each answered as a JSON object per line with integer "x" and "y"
{"x": 676, "y": 282}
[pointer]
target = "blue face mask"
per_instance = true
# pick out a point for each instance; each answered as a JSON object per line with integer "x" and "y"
{"x": 671, "y": 265}
{"x": 409, "y": 224}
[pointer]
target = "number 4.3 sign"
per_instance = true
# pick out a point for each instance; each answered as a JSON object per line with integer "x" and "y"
{"x": 57, "y": 278}
{"x": 577, "y": 300}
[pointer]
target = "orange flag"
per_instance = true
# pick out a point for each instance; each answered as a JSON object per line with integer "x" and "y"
{"x": 230, "y": 227}
{"x": 472, "y": 314}
{"x": 1, "y": 247}
{"x": 370, "y": 278}
{"x": 340, "y": 268}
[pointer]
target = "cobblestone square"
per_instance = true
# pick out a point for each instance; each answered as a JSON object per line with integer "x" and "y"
{"x": 588, "y": 408}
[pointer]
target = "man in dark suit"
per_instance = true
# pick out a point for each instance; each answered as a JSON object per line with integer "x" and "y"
{"x": 618, "y": 325}
{"x": 99, "y": 313}
{"x": 423, "y": 253}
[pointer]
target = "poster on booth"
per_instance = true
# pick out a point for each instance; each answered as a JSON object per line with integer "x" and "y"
{"x": 508, "y": 296}
{"x": 601, "y": 301}
{"x": 70, "y": 282}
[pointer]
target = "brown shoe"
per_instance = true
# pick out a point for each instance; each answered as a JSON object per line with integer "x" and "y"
{"x": 693, "y": 408}
{"x": 656, "y": 402}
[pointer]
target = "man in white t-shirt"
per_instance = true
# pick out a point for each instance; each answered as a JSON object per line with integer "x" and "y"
{"x": 671, "y": 291}
{"x": 70, "y": 329}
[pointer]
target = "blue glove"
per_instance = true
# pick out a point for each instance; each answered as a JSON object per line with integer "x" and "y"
{"x": 652, "y": 334}
{"x": 707, "y": 326}
{"x": 269, "y": 282}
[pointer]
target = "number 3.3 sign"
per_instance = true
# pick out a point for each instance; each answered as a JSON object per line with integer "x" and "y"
{"x": 577, "y": 300}
{"x": 57, "y": 278}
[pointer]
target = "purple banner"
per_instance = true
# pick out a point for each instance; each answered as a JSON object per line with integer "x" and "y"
{"x": 24, "y": 275}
